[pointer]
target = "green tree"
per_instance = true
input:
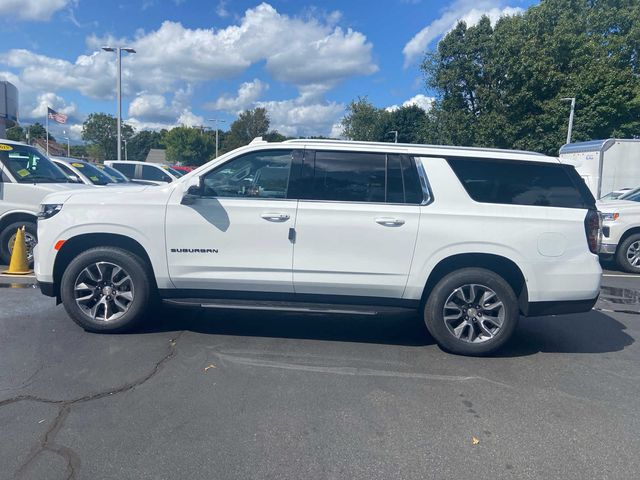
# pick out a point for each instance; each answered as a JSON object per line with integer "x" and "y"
{"x": 16, "y": 133}
{"x": 189, "y": 146}
{"x": 101, "y": 130}
{"x": 139, "y": 145}
{"x": 365, "y": 122}
{"x": 249, "y": 125}
{"x": 501, "y": 86}
{"x": 79, "y": 151}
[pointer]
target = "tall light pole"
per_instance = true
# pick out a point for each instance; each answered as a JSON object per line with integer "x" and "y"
{"x": 395, "y": 133}
{"x": 215, "y": 124}
{"x": 68, "y": 145}
{"x": 573, "y": 107}
{"x": 119, "y": 51}
{"x": 125, "y": 150}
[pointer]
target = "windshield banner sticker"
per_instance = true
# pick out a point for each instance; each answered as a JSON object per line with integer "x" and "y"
{"x": 6, "y": 148}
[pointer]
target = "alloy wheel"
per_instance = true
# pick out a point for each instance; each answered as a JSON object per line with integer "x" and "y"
{"x": 633, "y": 254}
{"x": 473, "y": 313}
{"x": 104, "y": 291}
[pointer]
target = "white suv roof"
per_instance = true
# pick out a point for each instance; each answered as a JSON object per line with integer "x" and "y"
{"x": 420, "y": 149}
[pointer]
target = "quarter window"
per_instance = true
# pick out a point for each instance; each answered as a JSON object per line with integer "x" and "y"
{"x": 263, "y": 174}
{"x": 521, "y": 183}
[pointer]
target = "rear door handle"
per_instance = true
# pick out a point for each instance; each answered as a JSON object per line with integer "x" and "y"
{"x": 275, "y": 217}
{"x": 390, "y": 221}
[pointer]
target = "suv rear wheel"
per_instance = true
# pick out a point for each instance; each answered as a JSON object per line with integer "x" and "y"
{"x": 106, "y": 289}
{"x": 472, "y": 311}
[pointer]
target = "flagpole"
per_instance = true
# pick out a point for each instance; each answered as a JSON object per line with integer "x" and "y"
{"x": 47, "y": 123}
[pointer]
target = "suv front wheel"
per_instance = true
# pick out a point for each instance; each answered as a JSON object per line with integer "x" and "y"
{"x": 472, "y": 311}
{"x": 106, "y": 289}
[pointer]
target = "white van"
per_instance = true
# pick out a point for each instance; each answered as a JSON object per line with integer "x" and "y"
{"x": 26, "y": 177}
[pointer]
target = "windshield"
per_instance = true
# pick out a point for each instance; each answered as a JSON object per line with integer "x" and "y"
{"x": 631, "y": 195}
{"x": 172, "y": 171}
{"x": 28, "y": 165}
{"x": 113, "y": 173}
{"x": 93, "y": 173}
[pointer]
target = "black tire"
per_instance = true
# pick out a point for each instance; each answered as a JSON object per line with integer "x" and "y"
{"x": 434, "y": 312}
{"x": 140, "y": 285}
{"x": 6, "y": 239}
{"x": 621, "y": 254}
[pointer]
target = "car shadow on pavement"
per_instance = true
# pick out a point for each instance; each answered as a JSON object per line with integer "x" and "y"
{"x": 590, "y": 332}
{"x": 402, "y": 328}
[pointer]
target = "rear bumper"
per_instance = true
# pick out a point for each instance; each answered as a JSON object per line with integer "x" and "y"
{"x": 536, "y": 309}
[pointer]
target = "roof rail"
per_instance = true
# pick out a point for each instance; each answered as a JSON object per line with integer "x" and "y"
{"x": 407, "y": 145}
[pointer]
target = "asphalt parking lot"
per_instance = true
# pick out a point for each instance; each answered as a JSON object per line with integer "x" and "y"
{"x": 228, "y": 395}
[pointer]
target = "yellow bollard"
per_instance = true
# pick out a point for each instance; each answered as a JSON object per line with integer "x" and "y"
{"x": 19, "y": 264}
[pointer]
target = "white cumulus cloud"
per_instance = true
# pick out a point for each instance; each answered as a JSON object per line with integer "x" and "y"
{"x": 418, "y": 100}
{"x": 32, "y": 9}
{"x": 470, "y": 11}
{"x": 292, "y": 118}
{"x": 247, "y": 94}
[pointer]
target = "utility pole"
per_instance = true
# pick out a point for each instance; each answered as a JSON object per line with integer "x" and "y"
{"x": 215, "y": 124}
{"x": 573, "y": 107}
{"x": 125, "y": 150}
{"x": 119, "y": 51}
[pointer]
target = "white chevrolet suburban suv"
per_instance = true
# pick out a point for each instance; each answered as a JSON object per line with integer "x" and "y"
{"x": 471, "y": 238}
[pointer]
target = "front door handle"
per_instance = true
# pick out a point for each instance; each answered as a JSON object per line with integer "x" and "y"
{"x": 390, "y": 221}
{"x": 275, "y": 217}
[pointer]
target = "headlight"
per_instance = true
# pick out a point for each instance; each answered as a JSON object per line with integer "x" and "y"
{"x": 48, "y": 210}
{"x": 610, "y": 217}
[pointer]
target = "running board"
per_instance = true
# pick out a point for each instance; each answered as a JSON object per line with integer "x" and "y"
{"x": 282, "y": 306}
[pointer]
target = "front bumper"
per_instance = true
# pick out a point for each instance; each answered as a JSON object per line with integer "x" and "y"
{"x": 608, "y": 248}
{"x": 47, "y": 288}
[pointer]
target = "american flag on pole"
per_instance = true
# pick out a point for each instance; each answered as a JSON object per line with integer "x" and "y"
{"x": 55, "y": 116}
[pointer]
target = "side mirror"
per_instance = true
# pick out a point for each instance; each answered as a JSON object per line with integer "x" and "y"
{"x": 75, "y": 179}
{"x": 193, "y": 192}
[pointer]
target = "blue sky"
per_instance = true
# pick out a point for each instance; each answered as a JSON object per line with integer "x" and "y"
{"x": 201, "y": 59}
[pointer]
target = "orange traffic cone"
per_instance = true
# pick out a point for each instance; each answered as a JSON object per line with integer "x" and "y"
{"x": 19, "y": 264}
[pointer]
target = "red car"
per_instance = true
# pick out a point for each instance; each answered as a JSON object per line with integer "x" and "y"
{"x": 182, "y": 168}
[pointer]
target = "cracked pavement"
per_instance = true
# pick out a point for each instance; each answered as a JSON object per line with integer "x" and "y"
{"x": 230, "y": 395}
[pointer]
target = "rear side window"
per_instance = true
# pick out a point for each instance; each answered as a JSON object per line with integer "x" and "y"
{"x": 521, "y": 183}
{"x": 349, "y": 177}
{"x": 128, "y": 170}
{"x": 363, "y": 177}
{"x": 154, "y": 173}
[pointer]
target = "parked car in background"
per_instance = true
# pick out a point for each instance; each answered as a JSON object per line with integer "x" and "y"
{"x": 471, "y": 238}
{"x": 120, "y": 178}
{"x": 621, "y": 232}
{"x": 616, "y": 194}
{"x": 152, "y": 172}
{"x": 80, "y": 171}
{"x": 182, "y": 168}
{"x": 26, "y": 177}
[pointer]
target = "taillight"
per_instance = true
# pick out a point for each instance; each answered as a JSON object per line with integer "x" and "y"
{"x": 592, "y": 227}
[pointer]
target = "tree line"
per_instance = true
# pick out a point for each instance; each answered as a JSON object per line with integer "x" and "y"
{"x": 502, "y": 85}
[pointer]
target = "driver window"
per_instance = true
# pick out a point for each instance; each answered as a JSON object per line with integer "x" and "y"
{"x": 260, "y": 175}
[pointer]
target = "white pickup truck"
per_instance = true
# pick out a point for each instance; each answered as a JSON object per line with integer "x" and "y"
{"x": 471, "y": 238}
{"x": 621, "y": 231}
